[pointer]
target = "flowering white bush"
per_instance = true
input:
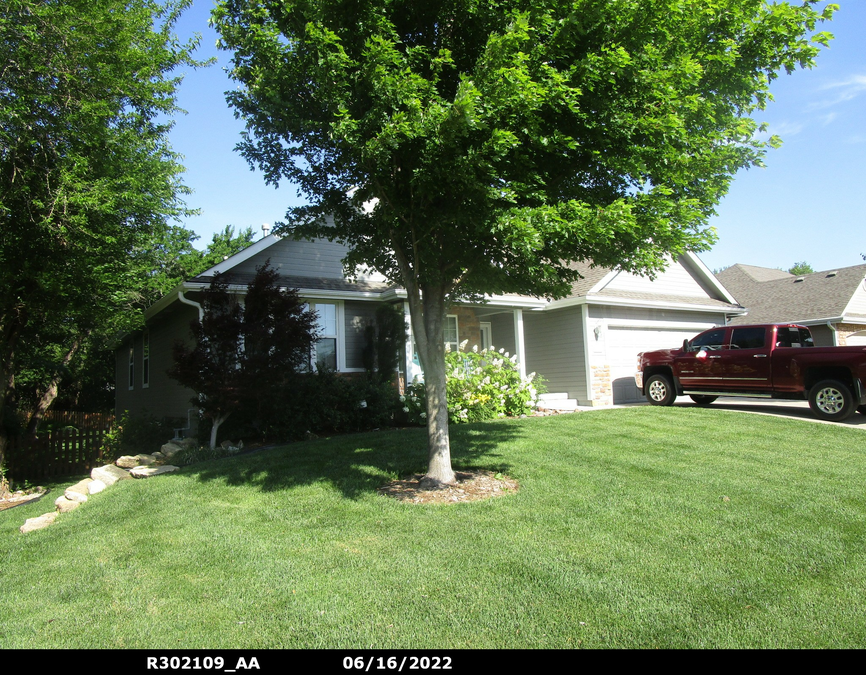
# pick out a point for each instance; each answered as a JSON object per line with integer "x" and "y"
{"x": 482, "y": 385}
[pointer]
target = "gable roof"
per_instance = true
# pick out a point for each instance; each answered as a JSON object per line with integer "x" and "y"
{"x": 315, "y": 268}
{"x": 686, "y": 284}
{"x": 776, "y": 296}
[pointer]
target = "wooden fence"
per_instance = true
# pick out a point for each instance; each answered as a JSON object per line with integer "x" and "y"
{"x": 70, "y": 444}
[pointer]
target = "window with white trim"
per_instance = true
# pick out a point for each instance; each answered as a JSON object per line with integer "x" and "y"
{"x": 132, "y": 366}
{"x": 325, "y": 349}
{"x": 145, "y": 360}
{"x": 450, "y": 334}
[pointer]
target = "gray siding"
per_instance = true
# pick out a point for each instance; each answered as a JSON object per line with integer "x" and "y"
{"x": 502, "y": 331}
{"x": 555, "y": 350}
{"x": 318, "y": 258}
{"x": 675, "y": 280}
{"x": 822, "y": 335}
{"x": 163, "y": 397}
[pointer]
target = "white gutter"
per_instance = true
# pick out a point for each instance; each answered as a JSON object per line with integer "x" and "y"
{"x": 181, "y": 297}
{"x": 632, "y": 302}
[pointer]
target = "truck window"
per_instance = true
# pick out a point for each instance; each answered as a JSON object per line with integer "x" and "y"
{"x": 793, "y": 337}
{"x": 710, "y": 340}
{"x": 748, "y": 338}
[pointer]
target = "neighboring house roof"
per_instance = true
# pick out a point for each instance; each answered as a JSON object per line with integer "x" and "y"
{"x": 770, "y": 296}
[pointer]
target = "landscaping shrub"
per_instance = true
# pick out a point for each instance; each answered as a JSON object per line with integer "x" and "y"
{"x": 325, "y": 402}
{"x": 140, "y": 434}
{"x": 482, "y": 385}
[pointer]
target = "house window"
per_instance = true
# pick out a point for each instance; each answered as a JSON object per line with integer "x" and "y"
{"x": 132, "y": 366}
{"x": 325, "y": 349}
{"x": 145, "y": 360}
{"x": 450, "y": 333}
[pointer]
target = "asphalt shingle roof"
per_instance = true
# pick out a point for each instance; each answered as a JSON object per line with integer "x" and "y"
{"x": 314, "y": 283}
{"x": 776, "y": 296}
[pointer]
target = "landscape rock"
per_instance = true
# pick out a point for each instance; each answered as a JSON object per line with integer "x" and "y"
{"x": 158, "y": 456}
{"x": 127, "y": 462}
{"x": 64, "y": 505}
{"x": 148, "y": 471}
{"x": 96, "y": 486}
{"x": 38, "y": 523}
{"x": 109, "y": 474}
{"x": 79, "y": 491}
{"x": 170, "y": 449}
{"x": 189, "y": 442}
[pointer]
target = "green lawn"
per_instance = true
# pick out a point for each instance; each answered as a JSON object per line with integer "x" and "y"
{"x": 642, "y": 527}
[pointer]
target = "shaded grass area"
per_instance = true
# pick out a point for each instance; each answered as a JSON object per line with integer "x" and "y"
{"x": 642, "y": 527}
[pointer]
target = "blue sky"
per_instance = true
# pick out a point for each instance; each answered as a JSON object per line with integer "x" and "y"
{"x": 807, "y": 204}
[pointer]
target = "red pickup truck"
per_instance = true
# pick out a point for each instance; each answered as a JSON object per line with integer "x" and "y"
{"x": 767, "y": 361}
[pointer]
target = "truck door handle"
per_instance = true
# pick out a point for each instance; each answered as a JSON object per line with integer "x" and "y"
{"x": 759, "y": 356}
{"x": 715, "y": 357}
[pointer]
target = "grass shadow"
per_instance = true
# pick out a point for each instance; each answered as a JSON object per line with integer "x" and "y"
{"x": 358, "y": 464}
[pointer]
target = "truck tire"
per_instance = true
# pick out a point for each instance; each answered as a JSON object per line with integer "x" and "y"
{"x": 701, "y": 399}
{"x": 660, "y": 390}
{"x": 831, "y": 400}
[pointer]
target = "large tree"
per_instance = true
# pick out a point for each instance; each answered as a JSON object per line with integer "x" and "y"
{"x": 48, "y": 373}
{"x": 465, "y": 147}
{"x": 86, "y": 174}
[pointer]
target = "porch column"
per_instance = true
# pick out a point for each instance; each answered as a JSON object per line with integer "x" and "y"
{"x": 519, "y": 342}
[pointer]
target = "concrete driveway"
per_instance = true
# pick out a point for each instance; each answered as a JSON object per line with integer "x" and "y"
{"x": 759, "y": 406}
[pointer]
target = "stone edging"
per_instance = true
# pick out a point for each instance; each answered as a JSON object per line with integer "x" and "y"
{"x": 102, "y": 477}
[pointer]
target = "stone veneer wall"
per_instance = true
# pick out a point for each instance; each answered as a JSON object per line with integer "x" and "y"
{"x": 843, "y": 330}
{"x": 602, "y": 387}
{"x": 468, "y": 326}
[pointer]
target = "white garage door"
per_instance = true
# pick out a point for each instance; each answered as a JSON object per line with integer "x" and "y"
{"x": 624, "y": 344}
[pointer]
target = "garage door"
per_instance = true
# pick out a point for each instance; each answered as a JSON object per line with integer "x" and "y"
{"x": 623, "y": 346}
{"x": 857, "y": 339}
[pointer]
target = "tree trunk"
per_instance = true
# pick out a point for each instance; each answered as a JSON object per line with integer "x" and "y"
{"x": 427, "y": 322}
{"x": 215, "y": 428}
{"x": 49, "y": 395}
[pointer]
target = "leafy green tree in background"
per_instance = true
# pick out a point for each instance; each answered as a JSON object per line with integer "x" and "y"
{"x": 87, "y": 178}
{"x": 464, "y": 147}
{"x": 801, "y": 268}
{"x": 47, "y": 376}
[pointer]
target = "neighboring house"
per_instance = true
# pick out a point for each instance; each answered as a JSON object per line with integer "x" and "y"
{"x": 832, "y": 303}
{"x": 585, "y": 346}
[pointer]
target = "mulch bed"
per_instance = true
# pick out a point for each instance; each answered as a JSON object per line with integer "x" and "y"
{"x": 471, "y": 486}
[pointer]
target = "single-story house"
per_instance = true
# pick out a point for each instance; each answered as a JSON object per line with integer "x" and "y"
{"x": 584, "y": 346}
{"x": 832, "y": 303}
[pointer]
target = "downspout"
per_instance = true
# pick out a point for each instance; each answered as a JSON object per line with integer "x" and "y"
{"x": 181, "y": 297}
{"x": 178, "y": 432}
{"x": 835, "y": 334}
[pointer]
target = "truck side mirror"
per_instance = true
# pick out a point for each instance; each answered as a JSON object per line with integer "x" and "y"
{"x": 686, "y": 346}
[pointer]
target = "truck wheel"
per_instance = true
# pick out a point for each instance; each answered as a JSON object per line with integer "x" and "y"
{"x": 831, "y": 400}
{"x": 702, "y": 400}
{"x": 660, "y": 390}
